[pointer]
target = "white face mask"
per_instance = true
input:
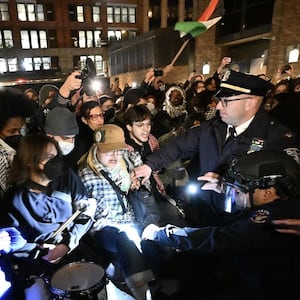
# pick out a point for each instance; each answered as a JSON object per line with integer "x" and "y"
{"x": 65, "y": 147}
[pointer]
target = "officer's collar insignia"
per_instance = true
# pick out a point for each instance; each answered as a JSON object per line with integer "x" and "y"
{"x": 99, "y": 136}
{"x": 260, "y": 216}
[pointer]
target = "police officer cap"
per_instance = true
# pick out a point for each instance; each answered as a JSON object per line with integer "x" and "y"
{"x": 236, "y": 83}
{"x": 263, "y": 169}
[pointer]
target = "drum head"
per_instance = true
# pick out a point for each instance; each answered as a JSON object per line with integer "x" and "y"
{"x": 77, "y": 276}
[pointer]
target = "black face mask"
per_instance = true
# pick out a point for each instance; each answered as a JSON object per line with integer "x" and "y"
{"x": 54, "y": 167}
{"x": 109, "y": 114}
{"x": 280, "y": 97}
{"x": 296, "y": 95}
{"x": 13, "y": 141}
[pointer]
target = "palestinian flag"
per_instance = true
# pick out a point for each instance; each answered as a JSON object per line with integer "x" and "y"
{"x": 211, "y": 15}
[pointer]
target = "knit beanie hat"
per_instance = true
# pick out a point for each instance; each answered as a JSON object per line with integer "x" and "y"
{"x": 109, "y": 138}
{"x": 61, "y": 122}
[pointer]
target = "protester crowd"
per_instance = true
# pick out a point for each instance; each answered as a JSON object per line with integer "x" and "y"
{"x": 100, "y": 177}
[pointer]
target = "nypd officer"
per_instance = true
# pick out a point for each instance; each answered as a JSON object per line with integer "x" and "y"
{"x": 263, "y": 186}
{"x": 243, "y": 126}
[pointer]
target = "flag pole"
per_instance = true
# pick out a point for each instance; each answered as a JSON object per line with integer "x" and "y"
{"x": 179, "y": 51}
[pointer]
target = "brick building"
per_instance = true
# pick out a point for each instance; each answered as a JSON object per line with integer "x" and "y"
{"x": 125, "y": 37}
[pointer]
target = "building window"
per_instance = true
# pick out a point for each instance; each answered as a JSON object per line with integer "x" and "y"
{"x": 47, "y": 63}
{"x": 86, "y": 39}
{"x": 117, "y": 14}
{"x": 34, "y": 39}
{"x": 4, "y": 15}
{"x": 98, "y": 62}
{"x": 293, "y": 53}
{"x": 30, "y": 12}
{"x": 188, "y": 10}
{"x": 49, "y": 11}
{"x": 28, "y": 64}
{"x": 110, "y": 14}
{"x": 3, "y": 65}
{"x": 76, "y": 13}
{"x": 238, "y": 21}
{"x": 80, "y": 13}
{"x": 96, "y": 14}
{"x": 132, "y": 15}
{"x": 6, "y": 39}
{"x": 40, "y": 12}
{"x": 89, "y": 39}
{"x": 97, "y": 38}
{"x": 12, "y": 64}
{"x": 122, "y": 14}
{"x": 116, "y": 35}
{"x": 37, "y": 63}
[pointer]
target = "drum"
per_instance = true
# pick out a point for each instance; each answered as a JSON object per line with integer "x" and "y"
{"x": 79, "y": 280}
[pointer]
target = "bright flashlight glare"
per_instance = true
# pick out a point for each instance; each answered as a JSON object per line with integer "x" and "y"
{"x": 192, "y": 188}
{"x": 132, "y": 234}
{"x": 134, "y": 84}
{"x": 96, "y": 85}
{"x": 4, "y": 285}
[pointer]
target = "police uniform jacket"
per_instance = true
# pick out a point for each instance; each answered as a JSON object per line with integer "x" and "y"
{"x": 207, "y": 143}
{"x": 250, "y": 231}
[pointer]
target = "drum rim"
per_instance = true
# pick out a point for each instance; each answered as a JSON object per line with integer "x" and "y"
{"x": 98, "y": 285}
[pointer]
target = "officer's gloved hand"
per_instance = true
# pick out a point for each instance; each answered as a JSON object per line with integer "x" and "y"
{"x": 211, "y": 182}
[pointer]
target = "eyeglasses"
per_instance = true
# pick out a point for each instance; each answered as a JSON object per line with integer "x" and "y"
{"x": 95, "y": 117}
{"x": 141, "y": 124}
{"x": 115, "y": 152}
{"x": 225, "y": 100}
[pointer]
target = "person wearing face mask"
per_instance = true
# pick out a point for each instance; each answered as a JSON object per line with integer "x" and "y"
{"x": 61, "y": 124}
{"x": 62, "y": 127}
{"x": 37, "y": 205}
{"x": 15, "y": 108}
{"x": 262, "y": 186}
{"x": 108, "y": 108}
{"x": 104, "y": 172}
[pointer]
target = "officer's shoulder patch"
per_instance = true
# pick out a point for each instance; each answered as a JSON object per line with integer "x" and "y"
{"x": 260, "y": 216}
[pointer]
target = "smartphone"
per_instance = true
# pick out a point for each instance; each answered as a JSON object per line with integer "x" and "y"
{"x": 285, "y": 68}
{"x": 158, "y": 72}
